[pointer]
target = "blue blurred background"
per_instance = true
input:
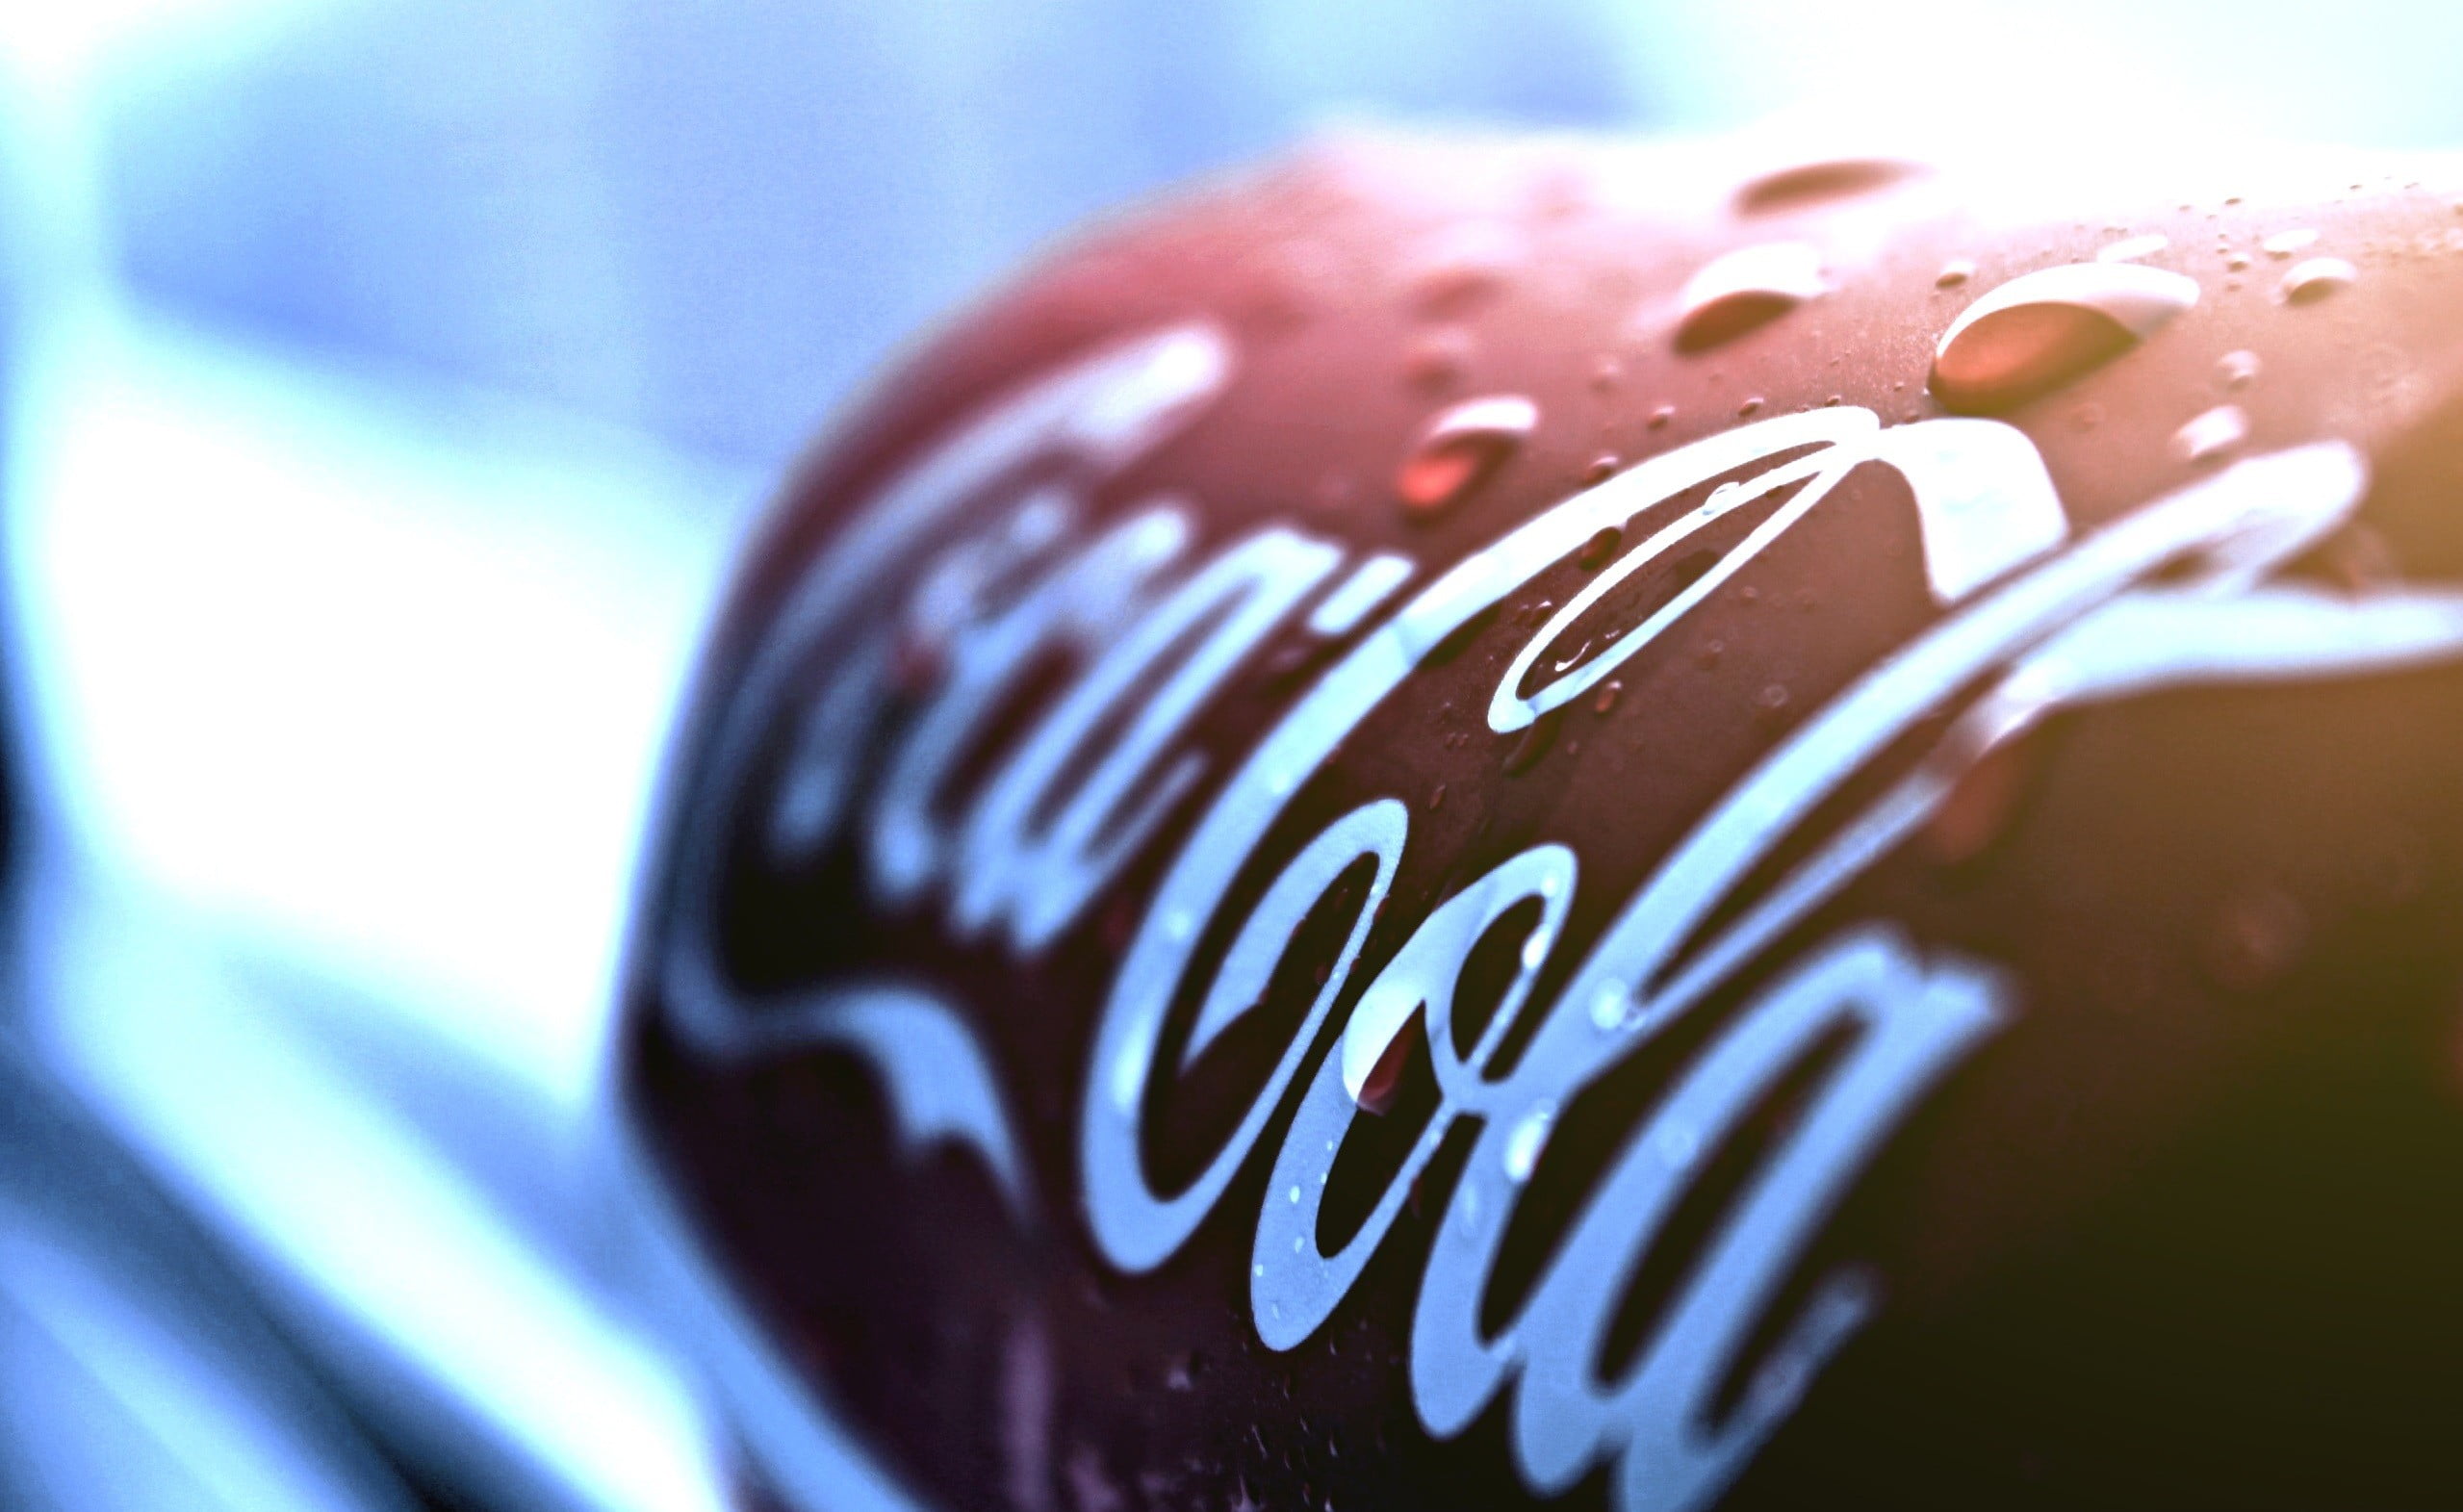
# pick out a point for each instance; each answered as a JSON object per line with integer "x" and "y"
{"x": 382, "y": 386}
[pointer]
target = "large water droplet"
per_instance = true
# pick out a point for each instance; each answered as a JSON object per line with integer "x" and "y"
{"x": 2212, "y": 434}
{"x": 1376, "y": 1053}
{"x": 1459, "y": 449}
{"x": 1529, "y": 1137}
{"x": 2043, "y": 329}
{"x": 2315, "y": 279}
{"x": 1807, "y": 183}
{"x": 1745, "y": 289}
{"x": 2283, "y": 243}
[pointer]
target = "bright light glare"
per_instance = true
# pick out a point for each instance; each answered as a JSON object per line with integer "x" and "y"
{"x": 307, "y": 1175}
{"x": 383, "y": 685}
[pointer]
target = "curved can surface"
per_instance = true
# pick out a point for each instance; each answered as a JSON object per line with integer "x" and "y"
{"x": 1478, "y": 823}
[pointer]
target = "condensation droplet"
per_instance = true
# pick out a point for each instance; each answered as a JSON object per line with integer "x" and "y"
{"x": 2283, "y": 243}
{"x": 1466, "y": 268}
{"x": 1609, "y": 1005}
{"x": 2255, "y": 939}
{"x": 2212, "y": 435}
{"x": 1459, "y": 449}
{"x": 1660, "y": 416}
{"x": 2043, "y": 329}
{"x": 1437, "y": 359}
{"x": 1677, "y": 1144}
{"x": 1529, "y": 1137}
{"x": 1750, "y": 407}
{"x": 1602, "y": 467}
{"x": 1808, "y": 182}
{"x": 1606, "y": 697}
{"x": 2134, "y": 248}
{"x": 1606, "y": 372}
{"x": 1980, "y": 802}
{"x": 1746, "y": 288}
{"x": 2361, "y": 560}
{"x": 1954, "y": 272}
{"x": 1600, "y": 550}
{"x": 2315, "y": 279}
{"x": 2237, "y": 370}
{"x": 1371, "y": 1070}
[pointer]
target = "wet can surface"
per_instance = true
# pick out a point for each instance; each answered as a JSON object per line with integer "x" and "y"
{"x": 1468, "y": 824}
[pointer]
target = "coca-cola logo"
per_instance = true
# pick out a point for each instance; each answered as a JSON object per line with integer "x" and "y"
{"x": 2034, "y": 618}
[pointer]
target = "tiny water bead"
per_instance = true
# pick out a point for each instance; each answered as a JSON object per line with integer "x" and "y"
{"x": 2212, "y": 435}
{"x": 2043, "y": 329}
{"x": 1466, "y": 268}
{"x": 1745, "y": 290}
{"x": 2255, "y": 938}
{"x": 1436, "y": 360}
{"x": 1980, "y": 803}
{"x": 1460, "y": 449}
{"x": 2237, "y": 370}
{"x": 1954, "y": 272}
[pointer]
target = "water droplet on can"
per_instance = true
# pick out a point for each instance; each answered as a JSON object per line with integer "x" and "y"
{"x": 2255, "y": 939}
{"x": 2315, "y": 279}
{"x": 1750, "y": 407}
{"x": 1529, "y": 1137}
{"x": 1437, "y": 359}
{"x": 2283, "y": 243}
{"x": 1744, "y": 290}
{"x": 2210, "y": 435}
{"x": 1602, "y": 467}
{"x": 1807, "y": 183}
{"x": 2134, "y": 248}
{"x": 1978, "y": 807}
{"x": 2237, "y": 370}
{"x": 1460, "y": 448}
{"x": 1660, "y": 416}
{"x": 1677, "y": 1144}
{"x": 1373, "y": 1069}
{"x": 2043, "y": 329}
{"x": 1464, "y": 268}
{"x": 1954, "y": 272}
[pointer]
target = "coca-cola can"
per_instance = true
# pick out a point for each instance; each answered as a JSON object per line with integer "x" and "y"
{"x": 1482, "y": 823}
